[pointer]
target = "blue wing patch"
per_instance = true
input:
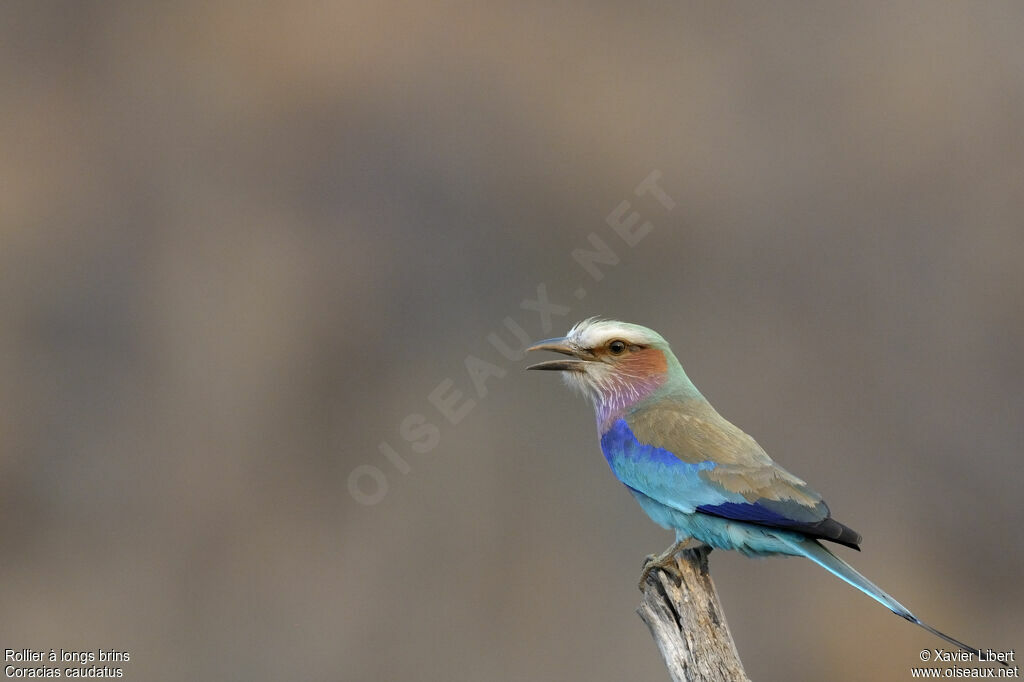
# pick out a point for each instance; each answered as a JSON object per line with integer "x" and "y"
{"x": 658, "y": 473}
{"x": 754, "y": 512}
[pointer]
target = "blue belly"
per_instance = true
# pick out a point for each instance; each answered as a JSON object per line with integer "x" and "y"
{"x": 748, "y": 539}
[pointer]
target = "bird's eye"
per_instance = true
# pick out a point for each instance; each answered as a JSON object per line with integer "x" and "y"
{"x": 617, "y": 347}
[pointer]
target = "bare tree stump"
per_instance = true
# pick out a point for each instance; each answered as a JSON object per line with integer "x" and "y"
{"x": 687, "y": 622}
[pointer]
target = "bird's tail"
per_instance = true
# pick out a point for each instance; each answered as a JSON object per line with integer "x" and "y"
{"x": 820, "y": 555}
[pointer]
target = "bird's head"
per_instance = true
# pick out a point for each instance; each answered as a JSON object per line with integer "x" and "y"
{"x": 616, "y": 364}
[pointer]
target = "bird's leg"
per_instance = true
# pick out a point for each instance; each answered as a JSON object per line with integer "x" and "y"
{"x": 665, "y": 561}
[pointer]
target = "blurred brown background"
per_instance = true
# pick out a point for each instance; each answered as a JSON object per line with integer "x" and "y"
{"x": 240, "y": 243}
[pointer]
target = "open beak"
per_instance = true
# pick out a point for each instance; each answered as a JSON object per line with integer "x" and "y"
{"x": 559, "y": 345}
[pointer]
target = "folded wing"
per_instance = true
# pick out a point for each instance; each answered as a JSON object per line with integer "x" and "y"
{"x": 700, "y": 463}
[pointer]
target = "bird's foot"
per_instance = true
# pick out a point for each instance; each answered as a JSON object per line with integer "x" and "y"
{"x": 665, "y": 561}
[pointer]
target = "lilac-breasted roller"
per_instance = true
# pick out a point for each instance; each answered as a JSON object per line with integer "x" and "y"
{"x": 691, "y": 470}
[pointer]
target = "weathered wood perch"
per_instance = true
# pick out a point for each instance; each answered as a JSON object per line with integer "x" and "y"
{"x": 687, "y": 622}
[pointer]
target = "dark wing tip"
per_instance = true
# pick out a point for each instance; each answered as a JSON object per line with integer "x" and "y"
{"x": 832, "y": 530}
{"x": 772, "y": 514}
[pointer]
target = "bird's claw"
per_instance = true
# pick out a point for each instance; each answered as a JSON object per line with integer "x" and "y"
{"x": 665, "y": 561}
{"x": 650, "y": 564}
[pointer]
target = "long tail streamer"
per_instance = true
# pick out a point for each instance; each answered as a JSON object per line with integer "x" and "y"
{"x": 820, "y": 555}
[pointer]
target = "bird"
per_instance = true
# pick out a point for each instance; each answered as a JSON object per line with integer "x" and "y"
{"x": 690, "y": 469}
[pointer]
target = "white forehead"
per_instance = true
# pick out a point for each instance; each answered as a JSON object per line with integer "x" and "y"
{"x": 593, "y": 332}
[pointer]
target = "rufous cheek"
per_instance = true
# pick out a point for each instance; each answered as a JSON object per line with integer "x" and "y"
{"x": 646, "y": 362}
